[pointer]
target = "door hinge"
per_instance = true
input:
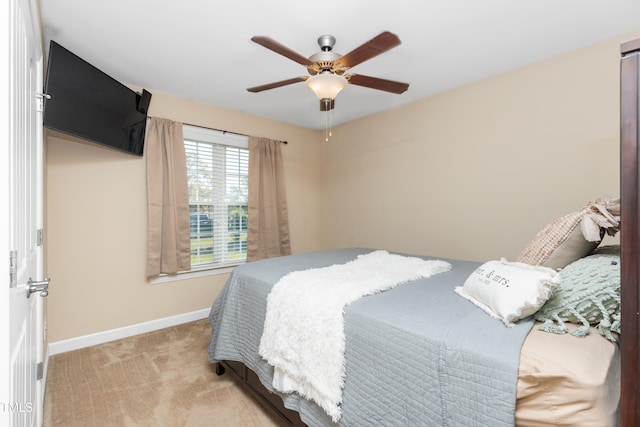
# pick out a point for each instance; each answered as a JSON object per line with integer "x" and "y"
{"x": 13, "y": 268}
{"x": 39, "y": 237}
{"x": 41, "y": 97}
{"x": 39, "y": 370}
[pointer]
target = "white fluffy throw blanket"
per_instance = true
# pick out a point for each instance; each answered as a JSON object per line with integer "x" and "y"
{"x": 303, "y": 337}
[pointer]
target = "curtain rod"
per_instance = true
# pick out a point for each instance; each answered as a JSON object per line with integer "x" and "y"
{"x": 219, "y": 130}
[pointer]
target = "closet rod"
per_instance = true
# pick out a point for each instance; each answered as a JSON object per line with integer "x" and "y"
{"x": 219, "y": 130}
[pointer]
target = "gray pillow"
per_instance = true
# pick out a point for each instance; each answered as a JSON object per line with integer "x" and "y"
{"x": 589, "y": 294}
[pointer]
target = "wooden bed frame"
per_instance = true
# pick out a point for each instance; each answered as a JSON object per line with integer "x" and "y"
{"x": 250, "y": 381}
{"x": 629, "y": 233}
{"x": 629, "y": 258}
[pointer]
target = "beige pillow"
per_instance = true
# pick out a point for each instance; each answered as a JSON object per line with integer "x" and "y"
{"x": 573, "y": 236}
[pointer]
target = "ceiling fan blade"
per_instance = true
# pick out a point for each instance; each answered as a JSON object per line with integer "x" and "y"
{"x": 326, "y": 105}
{"x": 269, "y": 43}
{"x": 277, "y": 84}
{"x": 374, "y": 47}
{"x": 376, "y": 83}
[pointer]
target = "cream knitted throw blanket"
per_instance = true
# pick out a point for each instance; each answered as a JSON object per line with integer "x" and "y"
{"x": 303, "y": 337}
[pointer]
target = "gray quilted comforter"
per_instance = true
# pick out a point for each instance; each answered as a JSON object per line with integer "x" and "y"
{"x": 417, "y": 355}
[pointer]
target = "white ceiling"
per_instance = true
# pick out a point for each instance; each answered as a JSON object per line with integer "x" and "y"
{"x": 201, "y": 49}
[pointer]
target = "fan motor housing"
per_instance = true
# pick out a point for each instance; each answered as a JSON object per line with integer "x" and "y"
{"x": 326, "y": 58}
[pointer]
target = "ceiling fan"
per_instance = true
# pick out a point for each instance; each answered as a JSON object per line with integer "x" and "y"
{"x": 327, "y": 68}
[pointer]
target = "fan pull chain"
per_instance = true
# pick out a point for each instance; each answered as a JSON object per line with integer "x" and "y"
{"x": 325, "y": 105}
{"x": 327, "y": 130}
{"x": 326, "y": 127}
{"x": 327, "y": 124}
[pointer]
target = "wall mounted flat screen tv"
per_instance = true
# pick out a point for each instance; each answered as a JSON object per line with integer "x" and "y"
{"x": 87, "y": 103}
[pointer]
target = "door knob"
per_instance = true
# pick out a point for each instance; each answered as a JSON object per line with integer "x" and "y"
{"x": 41, "y": 286}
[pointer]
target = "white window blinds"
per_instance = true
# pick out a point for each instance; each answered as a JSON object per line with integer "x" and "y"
{"x": 217, "y": 172}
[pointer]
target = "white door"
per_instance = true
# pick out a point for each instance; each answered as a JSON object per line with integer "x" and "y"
{"x": 21, "y": 402}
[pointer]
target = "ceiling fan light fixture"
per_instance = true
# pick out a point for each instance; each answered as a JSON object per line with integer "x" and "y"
{"x": 326, "y": 84}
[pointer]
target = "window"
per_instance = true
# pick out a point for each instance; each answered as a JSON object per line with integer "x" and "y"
{"x": 217, "y": 173}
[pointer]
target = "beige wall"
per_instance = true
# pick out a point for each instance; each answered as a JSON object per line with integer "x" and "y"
{"x": 471, "y": 173}
{"x": 475, "y": 172}
{"x": 96, "y": 223}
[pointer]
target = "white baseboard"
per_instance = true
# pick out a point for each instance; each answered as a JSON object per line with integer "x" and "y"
{"x": 124, "y": 332}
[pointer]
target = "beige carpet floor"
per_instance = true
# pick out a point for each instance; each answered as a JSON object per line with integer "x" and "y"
{"x": 161, "y": 378}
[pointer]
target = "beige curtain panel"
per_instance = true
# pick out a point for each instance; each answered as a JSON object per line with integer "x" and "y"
{"x": 268, "y": 217}
{"x": 168, "y": 244}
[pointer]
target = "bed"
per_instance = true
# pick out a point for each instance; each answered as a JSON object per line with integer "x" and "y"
{"x": 392, "y": 379}
{"x": 390, "y": 350}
